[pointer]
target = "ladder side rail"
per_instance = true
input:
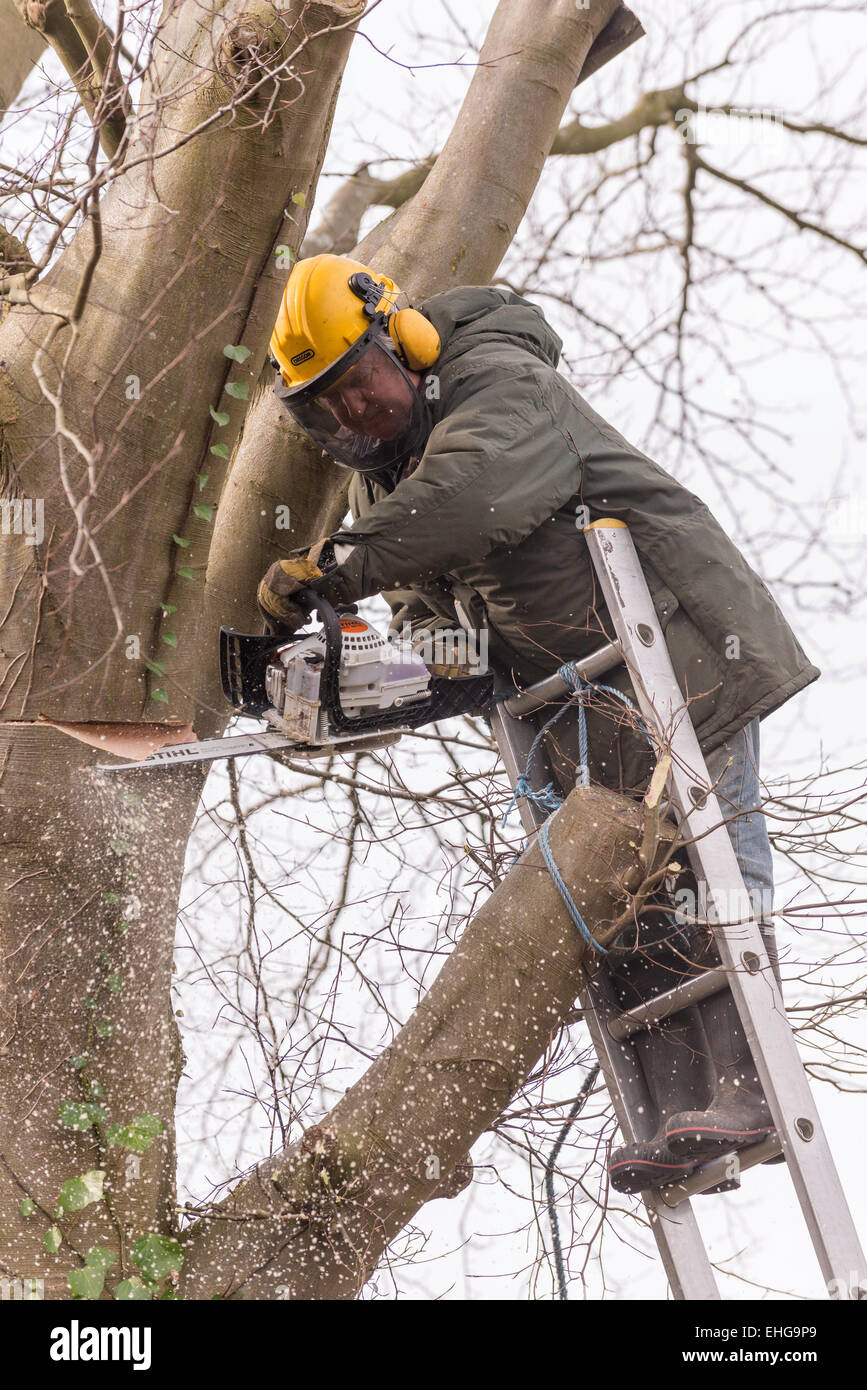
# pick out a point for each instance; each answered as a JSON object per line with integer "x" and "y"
{"x": 737, "y": 933}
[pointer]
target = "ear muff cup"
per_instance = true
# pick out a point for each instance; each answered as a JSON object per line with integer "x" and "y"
{"x": 417, "y": 341}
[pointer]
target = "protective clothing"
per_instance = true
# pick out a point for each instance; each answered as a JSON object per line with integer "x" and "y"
{"x": 301, "y": 570}
{"x": 672, "y": 1054}
{"x": 490, "y": 518}
{"x": 736, "y": 1114}
{"x": 283, "y": 579}
{"x": 339, "y": 325}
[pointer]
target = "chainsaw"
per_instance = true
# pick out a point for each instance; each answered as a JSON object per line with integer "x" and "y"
{"x": 344, "y": 687}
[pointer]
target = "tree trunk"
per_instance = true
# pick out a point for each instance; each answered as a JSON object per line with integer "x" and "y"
{"x": 186, "y": 267}
{"x": 320, "y": 1214}
{"x": 22, "y": 48}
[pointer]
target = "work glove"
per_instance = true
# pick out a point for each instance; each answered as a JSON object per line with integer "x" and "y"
{"x": 283, "y": 579}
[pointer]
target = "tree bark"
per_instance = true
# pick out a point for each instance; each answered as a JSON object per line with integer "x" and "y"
{"x": 454, "y": 232}
{"x": 22, "y": 48}
{"x": 317, "y": 1217}
{"x": 91, "y": 877}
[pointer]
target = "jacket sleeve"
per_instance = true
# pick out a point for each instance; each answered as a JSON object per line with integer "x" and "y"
{"x": 495, "y": 467}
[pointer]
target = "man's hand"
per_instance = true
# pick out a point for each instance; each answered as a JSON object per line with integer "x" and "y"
{"x": 283, "y": 579}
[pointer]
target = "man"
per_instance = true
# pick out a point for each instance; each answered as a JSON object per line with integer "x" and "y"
{"x": 476, "y": 467}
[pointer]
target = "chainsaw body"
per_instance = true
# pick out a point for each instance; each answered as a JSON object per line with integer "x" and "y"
{"x": 376, "y": 679}
{"x": 344, "y": 686}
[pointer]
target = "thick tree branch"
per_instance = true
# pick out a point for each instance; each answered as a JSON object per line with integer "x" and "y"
{"x": 84, "y": 46}
{"x": 319, "y": 1215}
{"x": 21, "y": 50}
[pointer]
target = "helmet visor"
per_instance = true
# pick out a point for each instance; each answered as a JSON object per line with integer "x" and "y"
{"x": 369, "y": 417}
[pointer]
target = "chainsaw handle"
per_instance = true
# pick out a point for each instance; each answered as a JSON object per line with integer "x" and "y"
{"x": 329, "y": 686}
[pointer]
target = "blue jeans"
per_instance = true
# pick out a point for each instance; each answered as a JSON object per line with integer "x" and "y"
{"x": 738, "y": 790}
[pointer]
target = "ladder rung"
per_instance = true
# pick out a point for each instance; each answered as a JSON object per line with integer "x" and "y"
{"x": 591, "y": 667}
{"x": 692, "y": 991}
{"x": 719, "y": 1170}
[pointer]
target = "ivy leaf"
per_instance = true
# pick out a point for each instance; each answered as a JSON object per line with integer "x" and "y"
{"x": 170, "y": 639}
{"x": 157, "y": 1256}
{"x": 78, "y": 1193}
{"x": 81, "y": 1114}
{"x": 104, "y": 1028}
{"x": 96, "y": 1089}
{"x": 53, "y": 1239}
{"x": 27, "y": 1206}
{"x": 237, "y": 354}
{"x": 238, "y": 389}
{"x": 219, "y": 416}
{"x": 204, "y": 510}
{"x": 203, "y": 478}
{"x": 186, "y": 573}
{"x": 138, "y": 1135}
{"x": 111, "y": 898}
{"x": 169, "y": 607}
{"x": 283, "y": 253}
{"x": 221, "y": 450}
{"x": 180, "y": 540}
{"x": 100, "y": 1257}
{"x": 87, "y": 1282}
{"x": 79, "y": 1060}
{"x": 156, "y": 667}
{"x": 134, "y": 1289}
{"x": 161, "y": 696}
{"x": 300, "y": 199}
{"x": 115, "y": 983}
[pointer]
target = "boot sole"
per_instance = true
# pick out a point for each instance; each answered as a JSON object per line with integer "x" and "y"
{"x": 701, "y": 1140}
{"x": 634, "y": 1175}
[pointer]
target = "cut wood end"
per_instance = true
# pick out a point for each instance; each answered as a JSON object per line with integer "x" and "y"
{"x": 656, "y": 787}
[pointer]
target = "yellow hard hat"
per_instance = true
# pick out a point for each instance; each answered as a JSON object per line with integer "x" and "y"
{"x": 332, "y": 310}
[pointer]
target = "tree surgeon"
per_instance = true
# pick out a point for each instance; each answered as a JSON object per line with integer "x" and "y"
{"x": 475, "y": 467}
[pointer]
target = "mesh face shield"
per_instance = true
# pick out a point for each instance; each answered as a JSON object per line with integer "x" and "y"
{"x": 372, "y": 365}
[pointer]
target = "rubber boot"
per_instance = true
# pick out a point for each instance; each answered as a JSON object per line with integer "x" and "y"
{"x": 737, "y": 1114}
{"x": 672, "y": 1054}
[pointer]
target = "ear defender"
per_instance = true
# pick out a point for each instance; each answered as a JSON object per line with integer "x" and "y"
{"x": 415, "y": 338}
{"x": 417, "y": 341}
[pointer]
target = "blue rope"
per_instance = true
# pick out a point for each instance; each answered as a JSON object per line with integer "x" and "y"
{"x": 586, "y": 1088}
{"x": 571, "y": 908}
{"x": 547, "y": 798}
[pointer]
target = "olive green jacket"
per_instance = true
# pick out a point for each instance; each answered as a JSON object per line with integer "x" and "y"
{"x": 489, "y": 517}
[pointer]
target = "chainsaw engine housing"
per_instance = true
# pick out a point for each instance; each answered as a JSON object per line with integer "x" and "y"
{"x": 376, "y": 676}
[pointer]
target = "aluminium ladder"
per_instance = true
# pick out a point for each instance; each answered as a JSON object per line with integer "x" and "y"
{"x": 745, "y": 968}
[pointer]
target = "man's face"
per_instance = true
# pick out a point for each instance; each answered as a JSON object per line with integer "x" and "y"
{"x": 374, "y": 397}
